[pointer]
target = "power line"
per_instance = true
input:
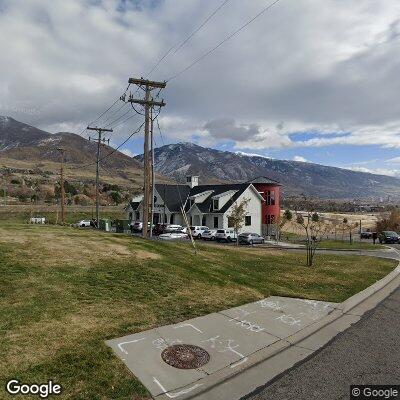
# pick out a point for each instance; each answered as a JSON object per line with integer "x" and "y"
{"x": 177, "y": 47}
{"x": 264, "y": 10}
{"x": 111, "y": 152}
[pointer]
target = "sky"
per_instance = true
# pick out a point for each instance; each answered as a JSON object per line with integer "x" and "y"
{"x": 309, "y": 80}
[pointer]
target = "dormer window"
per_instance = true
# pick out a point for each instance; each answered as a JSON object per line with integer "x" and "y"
{"x": 216, "y": 204}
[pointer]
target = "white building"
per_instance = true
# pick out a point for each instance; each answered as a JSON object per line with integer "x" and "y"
{"x": 208, "y": 205}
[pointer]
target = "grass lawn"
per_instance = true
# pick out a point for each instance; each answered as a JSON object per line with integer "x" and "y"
{"x": 74, "y": 214}
{"x": 338, "y": 244}
{"x": 63, "y": 291}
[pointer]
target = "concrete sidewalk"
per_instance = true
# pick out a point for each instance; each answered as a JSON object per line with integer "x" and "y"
{"x": 247, "y": 345}
{"x": 234, "y": 339}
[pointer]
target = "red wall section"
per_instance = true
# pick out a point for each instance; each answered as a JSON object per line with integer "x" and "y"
{"x": 269, "y": 209}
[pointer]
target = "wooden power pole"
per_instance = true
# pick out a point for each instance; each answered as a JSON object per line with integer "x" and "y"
{"x": 99, "y": 139}
{"x": 62, "y": 152}
{"x": 148, "y": 103}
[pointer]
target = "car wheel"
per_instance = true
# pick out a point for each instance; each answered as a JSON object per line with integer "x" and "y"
{"x": 229, "y": 239}
{"x": 251, "y": 243}
{"x": 199, "y": 236}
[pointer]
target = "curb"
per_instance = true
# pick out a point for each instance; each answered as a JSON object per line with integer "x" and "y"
{"x": 327, "y": 249}
{"x": 273, "y": 361}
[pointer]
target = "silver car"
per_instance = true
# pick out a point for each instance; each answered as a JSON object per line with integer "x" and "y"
{"x": 251, "y": 238}
{"x": 209, "y": 234}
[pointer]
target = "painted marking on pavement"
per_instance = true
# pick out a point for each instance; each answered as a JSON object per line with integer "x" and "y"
{"x": 190, "y": 325}
{"x": 177, "y": 394}
{"x": 131, "y": 341}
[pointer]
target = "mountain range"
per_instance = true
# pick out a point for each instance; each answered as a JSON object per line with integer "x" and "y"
{"x": 22, "y": 144}
{"x": 178, "y": 160}
{"x": 20, "y": 141}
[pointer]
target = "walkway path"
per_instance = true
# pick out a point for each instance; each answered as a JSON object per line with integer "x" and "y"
{"x": 367, "y": 353}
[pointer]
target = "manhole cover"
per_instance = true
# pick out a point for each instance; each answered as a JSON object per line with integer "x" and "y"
{"x": 185, "y": 356}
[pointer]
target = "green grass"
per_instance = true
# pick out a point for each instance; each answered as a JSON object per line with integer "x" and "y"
{"x": 338, "y": 244}
{"x": 64, "y": 291}
{"x": 72, "y": 215}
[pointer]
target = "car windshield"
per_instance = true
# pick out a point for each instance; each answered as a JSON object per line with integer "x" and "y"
{"x": 220, "y": 231}
{"x": 245, "y": 234}
{"x": 390, "y": 233}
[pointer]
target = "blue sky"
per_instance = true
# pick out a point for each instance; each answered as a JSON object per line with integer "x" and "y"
{"x": 308, "y": 80}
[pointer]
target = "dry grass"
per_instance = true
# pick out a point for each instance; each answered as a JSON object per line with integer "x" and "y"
{"x": 64, "y": 291}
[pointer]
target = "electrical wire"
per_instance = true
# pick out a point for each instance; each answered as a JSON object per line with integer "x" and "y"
{"x": 111, "y": 152}
{"x": 236, "y": 32}
{"x": 179, "y": 46}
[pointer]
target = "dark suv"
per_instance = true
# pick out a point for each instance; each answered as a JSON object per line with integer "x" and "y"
{"x": 389, "y": 237}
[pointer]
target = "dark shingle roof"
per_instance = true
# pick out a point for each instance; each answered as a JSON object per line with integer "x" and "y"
{"x": 134, "y": 205}
{"x": 173, "y": 195}
{"x": 264, "y": 180}
{"x": 206, "y": 205}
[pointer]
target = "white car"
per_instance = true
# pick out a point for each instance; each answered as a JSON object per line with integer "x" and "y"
{"x": 173, "y": 236}
{"x": 84, "y": 223}
{"x": 197, "y": 231}
{"x": 174, "y": 229}
{"x": 226, "y": 235}
{"x": 209, "y": 234}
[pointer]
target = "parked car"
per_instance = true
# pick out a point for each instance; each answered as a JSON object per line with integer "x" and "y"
{"x": 137, "y": 226}
{"x": 197, "y": 231}
{"x": 173, "y": 236}
{"x": 209, "y": 234}
{"x": 84, "y": 223}
{"x": 171, "y": 228}
{"x": 388, "y": 237}
{"x": 366, "y": 235}
{"x": 250, "y": 238}
{"x": 225, "y": 235}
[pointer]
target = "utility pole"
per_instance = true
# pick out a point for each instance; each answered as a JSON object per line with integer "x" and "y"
{"x": 62, "y": 152}
{"x": 148, "y": 104}
{"x": 99, "y": 140}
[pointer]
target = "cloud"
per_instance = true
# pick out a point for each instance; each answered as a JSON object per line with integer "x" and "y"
{"x": 378, "y": 171}
{"x": 328, "y": 72}
{"x": 394, "y": 160}
{"x": 299, "y": 159}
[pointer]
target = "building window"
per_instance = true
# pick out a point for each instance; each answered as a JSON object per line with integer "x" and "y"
{"x": 231, "y": 222}
{"x": 247, "y": 220}
{"x": 203, "y": 220}
{"x": 188, "y": 179}
{"x": 270, "y": 219}
{"x": 270, "y": 198}
{"x": 137, "y": 215}
{"x": 216, "y": 204}
{"x": 171, "y": 219}
{"x": 215, "y": 222}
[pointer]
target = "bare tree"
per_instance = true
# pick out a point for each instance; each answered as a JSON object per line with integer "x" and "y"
{"x": 280, "y": 222}
{"x": 312, "y": 225}
{"x": 237, "y": 216}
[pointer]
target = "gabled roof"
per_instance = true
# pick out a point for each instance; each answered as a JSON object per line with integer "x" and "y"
{"x": 206, "y": 206}
{"x": 174, "y": 196}
{"x": 134, "y": 205}
{"x": 265, "y": 181}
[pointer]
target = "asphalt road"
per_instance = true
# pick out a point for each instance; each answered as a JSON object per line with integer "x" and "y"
{"x": 367, "y": 353}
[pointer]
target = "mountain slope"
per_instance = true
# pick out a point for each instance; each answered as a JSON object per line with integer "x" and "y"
{"x": 178, "y": 160}
{"x": 20, "y": 141}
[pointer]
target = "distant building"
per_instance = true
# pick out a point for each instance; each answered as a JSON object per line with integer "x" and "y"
{"x": 271, "y": 205}
{"x": 210, "y": 205}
